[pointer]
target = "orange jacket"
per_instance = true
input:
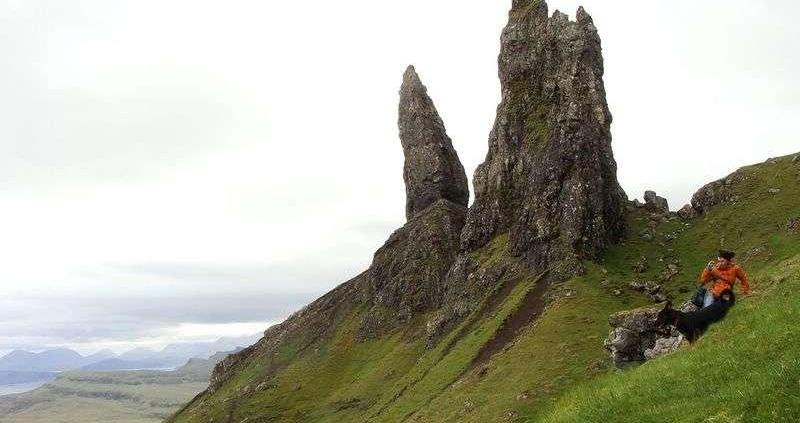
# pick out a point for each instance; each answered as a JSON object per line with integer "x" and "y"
{"x": 725, "y": 278}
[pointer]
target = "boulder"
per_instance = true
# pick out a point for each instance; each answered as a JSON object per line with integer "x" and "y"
{"x": 687, "y": 212}
{"x": 654, "y": 203}
{"x": 664, "y": 346}
{"x": 636, "y": 336}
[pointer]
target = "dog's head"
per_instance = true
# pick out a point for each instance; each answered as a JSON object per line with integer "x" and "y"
{"x": 667, "y": 315}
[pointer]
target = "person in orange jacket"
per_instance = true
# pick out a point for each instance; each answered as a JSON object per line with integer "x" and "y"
{"x": 723, "y": 273}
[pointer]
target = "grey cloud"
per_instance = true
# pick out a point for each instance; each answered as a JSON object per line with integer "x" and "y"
{"x": 298, "y": 276}
{"x": 77, "y": 320}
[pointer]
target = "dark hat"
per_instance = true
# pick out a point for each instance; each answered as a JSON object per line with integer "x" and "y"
{"x": 727, "y": 255}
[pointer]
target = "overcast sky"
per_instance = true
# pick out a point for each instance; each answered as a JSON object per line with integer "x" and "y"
{"x": 183, "y": 170}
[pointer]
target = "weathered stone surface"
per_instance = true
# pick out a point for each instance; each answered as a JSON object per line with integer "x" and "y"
{"x": 469, "y": 281}
{"x": 549, "y": 178}
{"x": 636, "y": 336}
{"x": 663, "y": 346}
{"x": 646, "y": 286}
{"x": 407, "y": 274}
{"x": 651, "y": 289}
{"x": 711, "y": 194}
{"x": 432, "y": 170}
{"x": 655, "y": 203}
{"x": 687, "y": 212}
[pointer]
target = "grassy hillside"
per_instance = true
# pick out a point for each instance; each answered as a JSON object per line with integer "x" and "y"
{"x": 556, "y": 369}
{"x": 107, "y": 397}
{"x": 746, "y": 368}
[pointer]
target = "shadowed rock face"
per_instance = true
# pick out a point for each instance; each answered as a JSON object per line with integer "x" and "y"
{"x": 549, "y": 178}
{"x": 408, "y": 272}
{"x": 432, "y": 170}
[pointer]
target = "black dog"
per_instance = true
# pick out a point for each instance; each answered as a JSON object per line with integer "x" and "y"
{"x": 693, "y": 324}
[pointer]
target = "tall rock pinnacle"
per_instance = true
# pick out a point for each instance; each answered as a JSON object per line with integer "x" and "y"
{"x": 407, "y": 274}
{"x": 432, "y": 170}
{"x": 549, "y": 178}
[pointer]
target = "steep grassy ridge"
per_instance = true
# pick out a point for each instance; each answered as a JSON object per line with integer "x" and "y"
{"x": 556, "y": 368}
{"x": 747, "y": 368}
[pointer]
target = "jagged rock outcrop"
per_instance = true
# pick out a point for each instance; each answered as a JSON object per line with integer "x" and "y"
{"x": 711, "y": 194}
{"x": 547, "y": 190}
{"x": 655, "y": 203}
{"x": 687, "y": 212}
{"x": 432, "y": 169}
{"x": 407, "y": 273}
{"x": 549, "y": 178}
{"x": 636, "y": 335}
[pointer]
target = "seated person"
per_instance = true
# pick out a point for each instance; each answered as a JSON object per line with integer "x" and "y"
{"x": 723, "y": 273}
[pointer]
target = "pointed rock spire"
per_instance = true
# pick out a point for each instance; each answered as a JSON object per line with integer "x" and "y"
{"x": 549, "y": 179}
{"x": 432, "y": 169}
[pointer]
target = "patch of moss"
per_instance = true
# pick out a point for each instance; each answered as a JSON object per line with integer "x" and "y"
{"x": 493, "y": 252}
{"x": 519, "y": 13}
{"x": 537, "y": 127}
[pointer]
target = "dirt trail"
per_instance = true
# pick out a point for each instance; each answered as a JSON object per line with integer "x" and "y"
{"x": 532, "y": 305}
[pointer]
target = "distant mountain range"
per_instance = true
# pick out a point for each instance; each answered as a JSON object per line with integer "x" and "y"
{"x": 17, "y": 363}
{"x": 46, "y": 361}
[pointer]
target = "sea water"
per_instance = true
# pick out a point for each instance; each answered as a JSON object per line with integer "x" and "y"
{"x": 20, "y": 387}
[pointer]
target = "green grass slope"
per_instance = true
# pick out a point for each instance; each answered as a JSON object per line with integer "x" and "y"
{"x": 746, "y": 368}
{"x": 556, "y": 369}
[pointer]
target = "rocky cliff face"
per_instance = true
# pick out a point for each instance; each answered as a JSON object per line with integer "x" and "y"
{"x": 432, "y": 170}
{"x": 547, "y": 197}
{"x": 407, "y": 274}
{"x": 408, "y": 271}
{"x": 549, "y": 178}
